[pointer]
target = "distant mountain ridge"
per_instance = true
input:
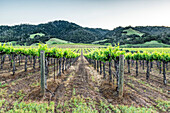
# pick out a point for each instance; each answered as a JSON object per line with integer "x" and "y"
{"x": 64, "y": 30}
{"x": 71, "y": 32}
{"x": 138, "y": 35}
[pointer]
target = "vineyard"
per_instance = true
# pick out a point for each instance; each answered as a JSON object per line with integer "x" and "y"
{"x": 167, "y": 50}
{"x": 52, "y": 79}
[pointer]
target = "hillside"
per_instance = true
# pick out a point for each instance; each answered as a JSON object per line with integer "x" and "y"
{"x": 71, "y": 32}
{"x": 137, "y": 35}
{"x": 56, "y": 41}
{"x": 148, "y": 44}
{"x": 29, "y": 34}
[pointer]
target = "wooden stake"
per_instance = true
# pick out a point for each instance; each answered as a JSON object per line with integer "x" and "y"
{"x": 121, "y": 76}
{"x": 43, "y": 81}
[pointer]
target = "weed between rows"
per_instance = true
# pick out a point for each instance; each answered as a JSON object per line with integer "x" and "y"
{"x": 77, "y": 104}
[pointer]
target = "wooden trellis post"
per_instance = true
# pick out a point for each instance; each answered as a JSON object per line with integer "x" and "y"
{"x": 13, "y": 58}
{"x": 121, "y": 76}
{"x": 43, "y": 80}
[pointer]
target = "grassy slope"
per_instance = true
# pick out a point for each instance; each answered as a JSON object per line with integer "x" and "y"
{"x": 98, "y": 41}
{"x": 128, "y": 32}
{"x": 33, "y": 35}
{"x": 147, "y": 44}
{"x": 131, "y": 31}
{"x": 56, "y": 41}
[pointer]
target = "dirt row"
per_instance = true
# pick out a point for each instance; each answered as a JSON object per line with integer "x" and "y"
{"x": 83, "y": 80}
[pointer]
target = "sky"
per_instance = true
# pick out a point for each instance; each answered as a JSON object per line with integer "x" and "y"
{"x": 106, "y": 14}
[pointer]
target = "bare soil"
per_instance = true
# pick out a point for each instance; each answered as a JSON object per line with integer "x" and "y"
{"x": 82, "y": 79}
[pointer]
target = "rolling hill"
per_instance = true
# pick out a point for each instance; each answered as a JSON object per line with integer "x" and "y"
{"x": 26, "y": 34}
{"x": 137, "y": 35}
{"x": 29, "y": 34}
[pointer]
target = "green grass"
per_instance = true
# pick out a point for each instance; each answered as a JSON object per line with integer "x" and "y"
{"x": 77, "y": 45}
{"x": 56, "y": 41}
{"x": 164, "y": 105}
{"x": 146, "y": 44}
{"x": 35, "y": 84}
{"x": 4, "y": 85}
{"x": 23, "y": 107}
{"x": 77, "y": 104}
{"x": 131, "y": 31}
{"x": 153, "y": 42}
{"x": 95, "y": 42}
{"x": 39, "y": 34}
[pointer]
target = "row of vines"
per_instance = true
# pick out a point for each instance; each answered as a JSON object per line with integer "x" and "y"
{"x": 99, "y": 57}
{"x": 59, "y": 57}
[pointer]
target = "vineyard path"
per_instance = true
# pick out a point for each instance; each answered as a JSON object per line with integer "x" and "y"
{"x": 85, "y": 82}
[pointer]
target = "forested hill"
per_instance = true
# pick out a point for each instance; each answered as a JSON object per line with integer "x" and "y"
{"x": 137, "y": 35}
{"x": 71, "y": 32}
{"x": 64, "y": 30}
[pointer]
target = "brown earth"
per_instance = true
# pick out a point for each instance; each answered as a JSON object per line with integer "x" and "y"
{"x": 83, "y": 80}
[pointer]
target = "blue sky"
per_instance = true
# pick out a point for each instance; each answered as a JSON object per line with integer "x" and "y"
{"x": 106, "y": 14}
